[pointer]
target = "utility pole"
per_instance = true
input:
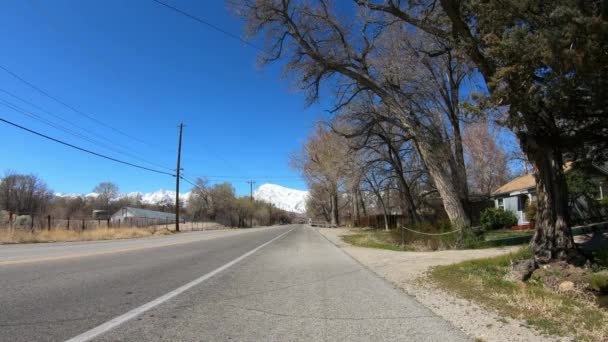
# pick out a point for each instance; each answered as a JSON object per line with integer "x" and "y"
{"x": 179, "y": 157}
{"x": 251, "y": 182}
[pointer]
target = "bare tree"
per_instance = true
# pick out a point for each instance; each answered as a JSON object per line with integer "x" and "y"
{"x": 106, "y": 192}
{"x": 486, "y": 160}
{"x": 367, "y": 57}
{"x": 26, "y": 194}
{"x": 199, "y": 202}
{"x": 323, "y": 161}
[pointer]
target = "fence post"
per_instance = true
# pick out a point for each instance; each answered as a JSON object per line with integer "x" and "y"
{"x": 108, "y": 224}
{"x": 48, "y": 222}
{"x": 32, "y": 222}
{"x": 83, "y": 224}
{"x": 68, "y": 223}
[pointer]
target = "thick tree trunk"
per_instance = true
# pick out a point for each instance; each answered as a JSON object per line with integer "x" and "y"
{"x": 447, "y": 184}
{"x": 553, "y": 238}
{"x": 335, "y": 219}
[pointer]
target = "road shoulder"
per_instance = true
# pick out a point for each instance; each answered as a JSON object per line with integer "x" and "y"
{"x": 407, "y": 271}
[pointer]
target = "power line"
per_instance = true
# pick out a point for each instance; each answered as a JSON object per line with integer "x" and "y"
{"x": 208, "y": 24}
{"x": 65, "y": 120}
{"x": 74, "y": 133}
{"x": 45, "y": 93}
{"x": 85, "y": 150}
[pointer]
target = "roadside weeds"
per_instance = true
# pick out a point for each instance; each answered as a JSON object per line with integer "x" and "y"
{"x": 483, "y": 281}
{"x": 13, "y": 236}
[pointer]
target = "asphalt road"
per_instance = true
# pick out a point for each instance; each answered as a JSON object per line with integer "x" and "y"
{"x": 297, "y": 286}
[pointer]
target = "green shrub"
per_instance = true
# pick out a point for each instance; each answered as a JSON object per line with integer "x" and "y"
{"x": 493, "y": 218}
{"x": 531, "y": 213}
{"x": 474, "y": 239}
{"x": 599, "y": 281}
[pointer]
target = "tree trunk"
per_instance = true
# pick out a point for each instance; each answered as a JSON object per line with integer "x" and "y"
{"x": 384, "y": 211}
{"x": 447, "y": 184}
{"x": 553, "y": 238}
{"x": 362, "y": 203}
{"x": 355, "y": 203}
{"x": 335, "y": 219}
{"x": 408, "y": 207}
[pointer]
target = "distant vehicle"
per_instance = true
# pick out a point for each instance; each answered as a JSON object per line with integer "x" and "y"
{"x": 100, "y": 215}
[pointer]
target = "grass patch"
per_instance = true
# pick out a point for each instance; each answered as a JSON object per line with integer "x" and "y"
{"x": 374, "y": 239}
{"x": 62, "y": 235}
{"x": 483, "y": 281}
{"x": 392, "y": 239}
{"x": 506, "y": 234}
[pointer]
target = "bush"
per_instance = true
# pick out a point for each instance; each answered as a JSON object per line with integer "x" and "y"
{"x": 531, "y": 213}
{"x": 599, "y": 281}
{"x": 493, "y": 218}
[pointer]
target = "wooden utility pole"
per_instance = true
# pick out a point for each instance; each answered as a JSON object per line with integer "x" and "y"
{"x": 179, "y": 156}
{"x": 251, "y": 182}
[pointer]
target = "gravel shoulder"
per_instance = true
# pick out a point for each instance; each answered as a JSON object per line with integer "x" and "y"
{"x": 407, "y": 270}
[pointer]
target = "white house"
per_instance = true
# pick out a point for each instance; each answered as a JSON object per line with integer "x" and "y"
{"x": 517, "y": 194}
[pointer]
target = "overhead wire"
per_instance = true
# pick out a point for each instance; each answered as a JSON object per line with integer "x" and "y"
{"x": 84, "y": 149}
{"x": 210, "y": 25}
{"x": 100, "y": 136}
{"x": 74, "y": 109}
{"x": 34, "y": 116}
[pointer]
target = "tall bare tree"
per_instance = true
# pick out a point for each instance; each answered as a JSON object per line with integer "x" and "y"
{"x": 324, "y": 161}
{"x": 366, "y": 57}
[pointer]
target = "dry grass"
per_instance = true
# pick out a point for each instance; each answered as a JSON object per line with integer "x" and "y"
{"x": 60, "y": 235}
{"x": 483, "y": 281}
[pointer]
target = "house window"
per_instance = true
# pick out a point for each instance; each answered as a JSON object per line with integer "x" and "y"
{"x": 500, "y": 204}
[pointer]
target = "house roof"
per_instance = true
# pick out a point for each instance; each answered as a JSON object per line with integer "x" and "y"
{"x": 527, "y": 182}
{"x": 146, "y": 213}
{"x": 524, "y": 182}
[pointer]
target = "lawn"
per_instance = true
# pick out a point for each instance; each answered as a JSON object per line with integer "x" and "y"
{"x": 483, "y": 281}
{"x": 375, "y": 239}
{"x": 392, "y": 239}
{"x": 499, "y": 234}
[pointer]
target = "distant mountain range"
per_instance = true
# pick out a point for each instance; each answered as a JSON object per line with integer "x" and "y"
{"x": 146, "y": 197}
{"x": 283, "y": 198}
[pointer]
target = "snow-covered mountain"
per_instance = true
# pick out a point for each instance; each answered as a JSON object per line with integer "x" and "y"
{"x": 146, "y": 197}
{"x": 283, "y": 198}
{"x": 158, "y": 196}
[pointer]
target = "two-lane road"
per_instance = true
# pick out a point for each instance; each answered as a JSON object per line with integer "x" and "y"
{"x": 283, "y": 283}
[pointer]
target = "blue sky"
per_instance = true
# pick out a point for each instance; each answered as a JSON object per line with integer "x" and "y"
{"x": 142, "y": 68}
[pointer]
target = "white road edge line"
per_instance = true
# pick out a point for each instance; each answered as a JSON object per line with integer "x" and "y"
{"x": 114, "y": 322}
